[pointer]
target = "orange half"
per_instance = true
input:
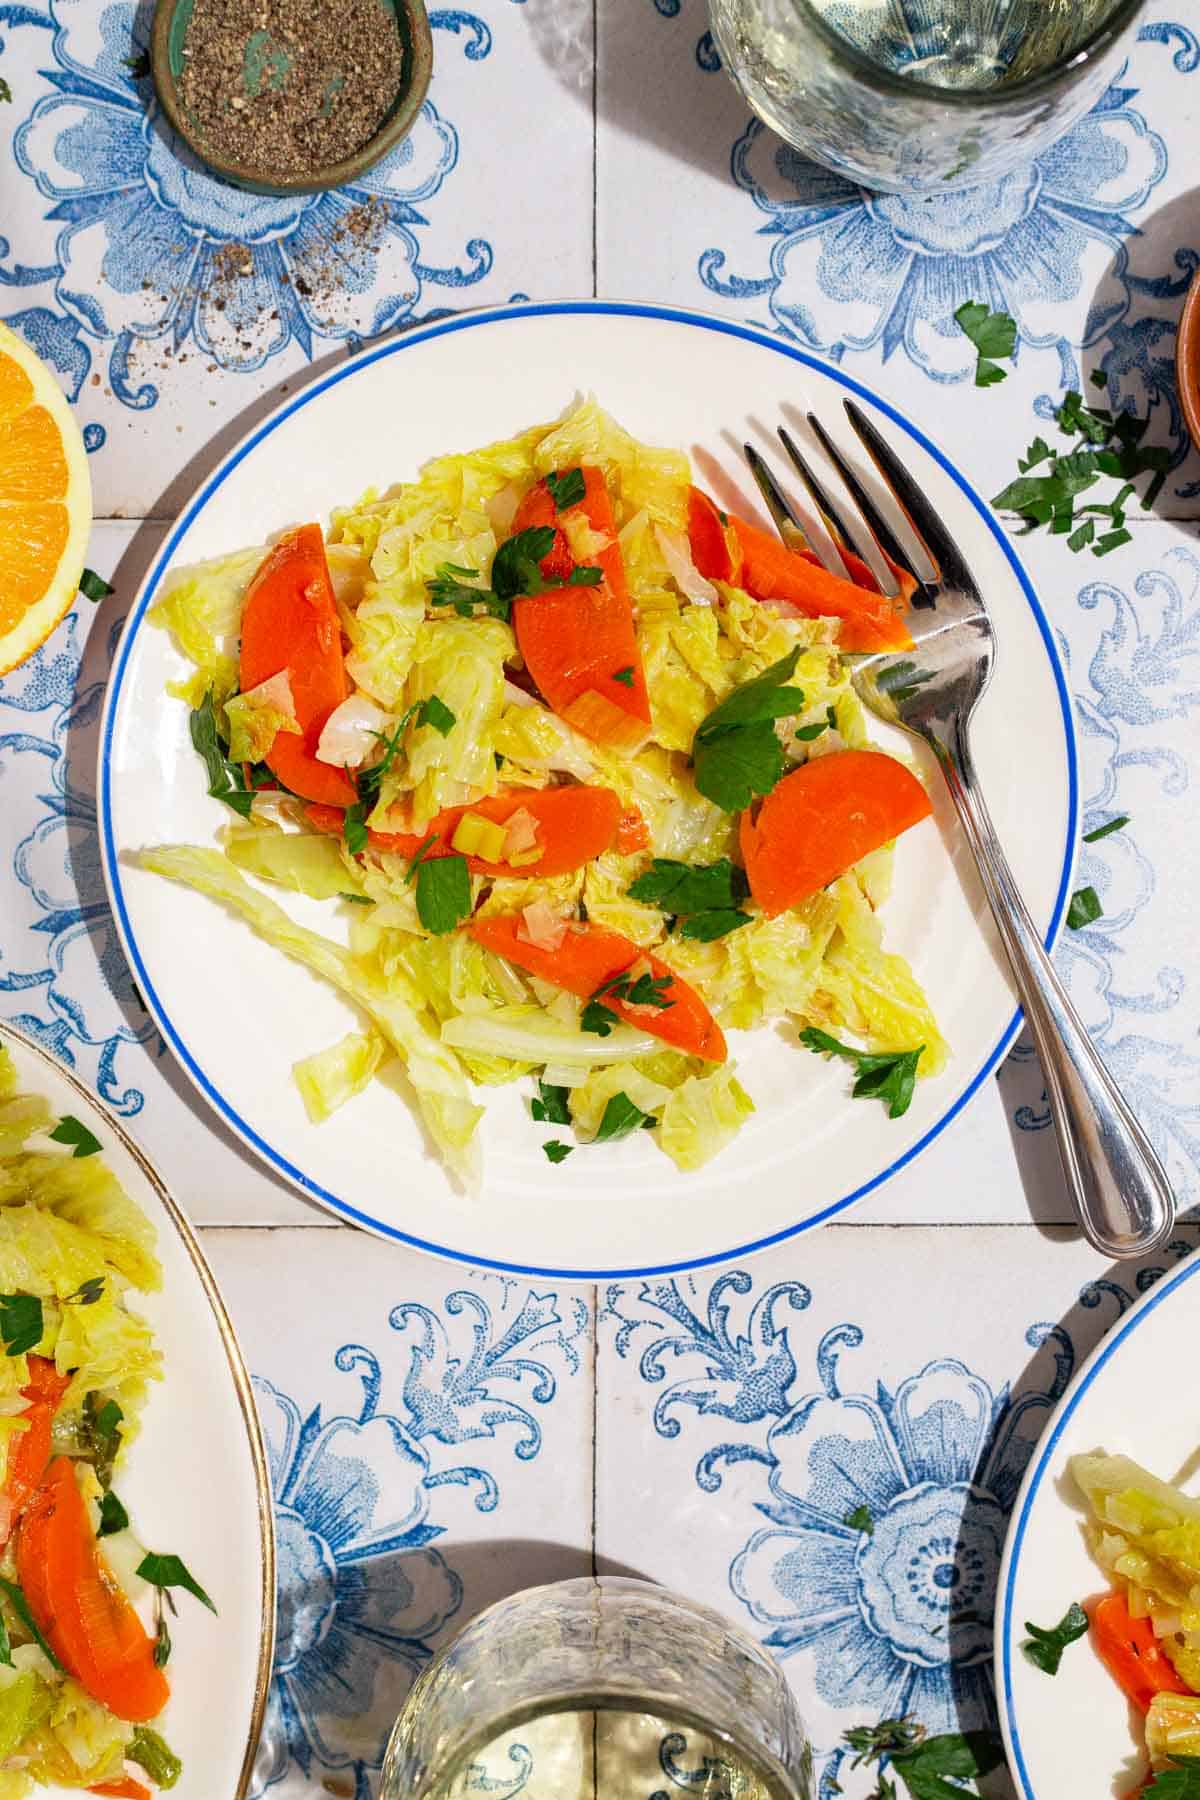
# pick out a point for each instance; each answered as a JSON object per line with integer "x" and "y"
{"x": 45, "y": 502}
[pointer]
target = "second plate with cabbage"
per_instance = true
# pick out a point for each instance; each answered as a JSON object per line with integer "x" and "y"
{"x": 241, "y": 1015}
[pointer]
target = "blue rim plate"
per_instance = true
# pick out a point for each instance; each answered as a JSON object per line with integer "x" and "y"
{"x": 452, "y": 385}
{"x": 1072, "y": 1734}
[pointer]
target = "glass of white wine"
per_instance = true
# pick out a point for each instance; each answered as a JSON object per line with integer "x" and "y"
{"x": 599, "y": 1689}
{"x": 922, "y": 96}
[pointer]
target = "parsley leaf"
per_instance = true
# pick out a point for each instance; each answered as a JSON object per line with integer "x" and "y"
{"x": 171, "y": 1572}
{"x": 443, "y": 893}
{"x": 87, "y": 1293}
{"x": 1044, "y": 1647}
{"x": 597, "y": 1019}
{"x": 1107, "y": 829}
{"x": 585, "y": 575}
{"x": 419, "y": 855}
{"x": 645, "y": 990}
{"x": 71, "y": 1130}
{"x": 354, "y": 827}
{"x": 565, "y": 487}
{"x": 515, "y": 566}
{"x": 5, "y": 90}
{"x": 1037, "y": 452}
{"x": 1085, "y": 908}
{"x": 556, "y": 1151}
{"x": 113, "y": 1516}
{"x": 451, "y": 586}
{"x": 709, "y": 895}
{"x": 1181, "y": 1781}
{"x": 928, "y": 1766}
{"x": 550, "y": 1108}
{"x": 993, "y": 334}
{"x": 162, "y": 1644}
{"x": 718, "y": 922}
{"x": 94, "y": 587}
{"x": 101, "y": 1434}
{"x": 624, "y": 676}
{"x": 21, "y": 1322}
{"x": 436, "y": 713}
{"x": 890, "y": 1078}
{"x": 1104, "y": 446}
{"x": 736, "y": 753}
{"x": 861, "y": 1519}
{"x": 225, "y": 780}
{"x": 16, "y": 1599}
{"x": 620, "y": 1117}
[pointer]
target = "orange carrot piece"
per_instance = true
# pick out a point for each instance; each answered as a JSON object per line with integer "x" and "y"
{"x": 770, "y": 571}
{"x": 577, "y": 641}
{"x": 125, "y": 1789}
{"x": 588, "y": 957}
{"x": 633, "y": 833}
{"x": 291, "y": 622}
{"x": 1130, "y": 1651}
{"x": 79, "y": 1607}
{"x": 714, "y": 545}
{"x": 29, "y": 1452}
{"x": 574, "y": 826}
{"x": 822, "y": 818}
{"x": 538, "y": 508}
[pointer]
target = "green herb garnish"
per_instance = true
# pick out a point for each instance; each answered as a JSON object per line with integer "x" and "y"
{"x": 1044, "y": 1648}
{"x": 861, "y": 1519}
{"x": 620, "y": 1117}
{"x": 436, "y": 714}
{"x": 566, "y": 489}
{"x": 890, "y": 1078}
{"x": 1107, "y": 829}
{"x": 928, "y": 1766}
{"x": 556, "y": 1151}
{"x": 87, "y": 1293}
{"x": 1085, "y": 908}
{"x": 443, "y": 893}
{"x": 709, "y": 895}
{"x": 101, "y": 1434}
{"x": 516, "y": 570}
{"x": 171, "y": 1572}
{"x": 16, "y": 1599}
{"x": 71, "y": 1130}
{"x": 355, "y": 834}
{"x": 646, "y": 990}
{"x": 113, "y": 1516}
{"x": 624, "y": 676}
{"x": 993, "y": 334}
{"x": 22, "y": 1323}
{"x": 1180, "y": 1781}
{"x": 550, "y": 1107}
{"x": 419, "y": 855}
{"x": 225, "y": 779}
{"x": 149, "y": 1752}
{"x": 1104, "y": 445}
{"x": 736, "y": 753}
{"x": 585, "y": 575}
{"x": 356, "y": 899}
{"x": 94, "y": 587}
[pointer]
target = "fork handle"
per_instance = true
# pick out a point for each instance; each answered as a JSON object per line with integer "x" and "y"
{"x": 1117, "y": 1183}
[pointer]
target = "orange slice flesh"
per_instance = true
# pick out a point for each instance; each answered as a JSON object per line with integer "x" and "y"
{"x": 45, "y": 502}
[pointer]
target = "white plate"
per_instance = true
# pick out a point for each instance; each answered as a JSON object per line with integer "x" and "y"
{"x": 195, "y": 1481}
{"x": 238, "y": 1015}
{"x": 1071, "y": 1735}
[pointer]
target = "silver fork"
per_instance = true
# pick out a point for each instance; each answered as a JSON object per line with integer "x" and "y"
{"x": 1119, "y": 1188}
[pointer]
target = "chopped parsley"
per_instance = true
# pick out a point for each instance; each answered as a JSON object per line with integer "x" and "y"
{"x": 94, "y": 587}
{"x": 1107, "y": 829}
{"x": 71, "y": 1130}
{"x": 21, "y": 1323}
{"x": 225, "y": 779}
{"x": 1180, "y": 1781}
{"x": 861, "y": 1519}
{"x": 356, "y": 899}
{"x": 585, "y": 575}
{"x": 929, "y": 1767}
{"x": 443, "y": 893}
{"x": 1044, "y": 1646}
{"x": 453, "y": 586}
{"x": 890, "y": 1077}
{"x": 433, "y": 711}
{"x": 113, "y": 1516}
{"x": 87, "y": 1293}
{"x": 993, "y": 335}
{"x": 101, "y": 1434}
{"x": 516, "y": 569}
{"x": 171, "y": 1572}
{"x": 436, "y": 714}
{"x": 16, "y": 1599}
{"x": 736, "y": 753}
{"x": 624, "y": 676}
{"x": 620, "y": 1117}
{"x": 419, "y": 855}
{"x": 708, "y": 896}
{"x": 646, "y": 990}
{"x": 566, "y": 488}
{"x": 1104, "y": 445}
{"x": 550, "y": 1107}
{"x": 556, "y": 1151}
{"x": 354, "y": 827}
{"x": 1085, "y": 908}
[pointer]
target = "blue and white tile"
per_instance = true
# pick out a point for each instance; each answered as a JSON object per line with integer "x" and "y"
{"x": 1090, "y": 248}
{"x": 173, "y": 305}
{"x": 430, "y": 1440}
{"x": 742, "y": 1417}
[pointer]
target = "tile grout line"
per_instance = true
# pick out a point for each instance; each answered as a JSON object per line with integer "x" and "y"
{"x": 595, "y": 148}
{"x": 595, "y": 1417}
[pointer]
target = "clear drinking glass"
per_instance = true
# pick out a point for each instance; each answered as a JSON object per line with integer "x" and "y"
{"x": 918, "y": 96}
{"x": 599, "y": 1687}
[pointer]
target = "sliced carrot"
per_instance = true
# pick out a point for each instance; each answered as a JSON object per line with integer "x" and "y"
{"x": 822, "y": 818}
{"x": 291, "y": 622}
{"x": 574, "y": 825}
{"x": 1130, "y": 1651}
{"x": 538, "y": 508}
{"x": 714, "y": 545}
{"x": 770, "y": 571}
{"x": 29, "y": 1452}
{"x": 580, "y": 641}
{"x": 633, "y": 833}
{"x": 78, "y": 1604}
{"x": 125, "y": 1789}
{"x": 588, "y": 957}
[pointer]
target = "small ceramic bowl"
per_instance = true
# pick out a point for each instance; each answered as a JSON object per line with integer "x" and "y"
{"x": 1187, "y": 361}
{"x": 171, "y": 19}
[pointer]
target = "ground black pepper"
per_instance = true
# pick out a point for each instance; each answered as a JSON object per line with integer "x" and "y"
{"x": 285, "y": 87}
